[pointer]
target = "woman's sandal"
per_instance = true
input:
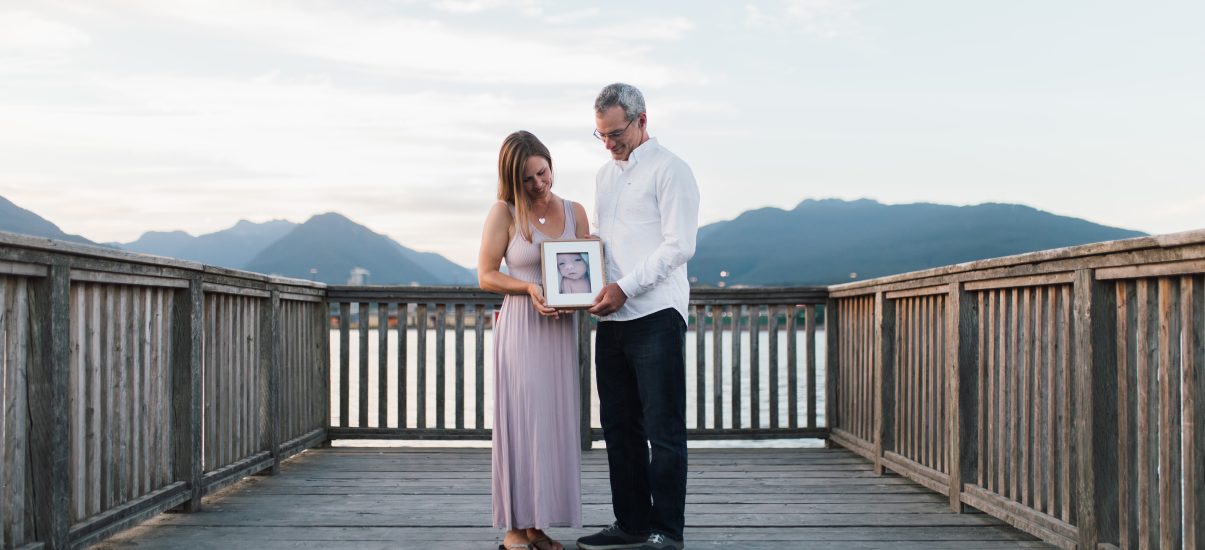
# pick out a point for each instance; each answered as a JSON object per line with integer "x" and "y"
{"x": 514, "y": 547}
{"x": 547, "y": 541}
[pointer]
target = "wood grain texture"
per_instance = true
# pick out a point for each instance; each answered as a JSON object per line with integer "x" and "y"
{"x": 757, "y": 499}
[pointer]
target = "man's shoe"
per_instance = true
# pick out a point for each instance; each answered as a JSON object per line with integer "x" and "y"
{"x": 611, "y": 538}
{"x": 657, "y": 541}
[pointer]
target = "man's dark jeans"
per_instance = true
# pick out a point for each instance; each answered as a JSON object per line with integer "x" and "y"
{"x": 641, "y": 371}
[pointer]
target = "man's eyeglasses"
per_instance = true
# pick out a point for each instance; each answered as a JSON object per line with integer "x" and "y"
{"x": 613, "y": 135}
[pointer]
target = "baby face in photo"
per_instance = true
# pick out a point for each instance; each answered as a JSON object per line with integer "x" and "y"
{"x": 571, "y": 265}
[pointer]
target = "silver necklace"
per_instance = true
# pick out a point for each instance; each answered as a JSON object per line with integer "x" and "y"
{"x": 544, "y": 218}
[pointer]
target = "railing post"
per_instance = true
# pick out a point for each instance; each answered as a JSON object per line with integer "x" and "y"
{"x": 188, "y": 318}
{"x": 324, "y": 385}
{"x": 962, "y": 363}
{"x": 884, "y": 332}
{"x": 49, "y": 401}
{"x": 831, "y": 360}
{"x": 271, "y": 351}
{"x": 583, "y": 369}
{"x": 1095, "y": 403}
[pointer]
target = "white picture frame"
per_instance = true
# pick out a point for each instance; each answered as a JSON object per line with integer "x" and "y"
{"x": 560, "y": 261}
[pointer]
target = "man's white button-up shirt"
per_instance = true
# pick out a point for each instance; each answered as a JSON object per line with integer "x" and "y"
{"x": 648, "y": 217}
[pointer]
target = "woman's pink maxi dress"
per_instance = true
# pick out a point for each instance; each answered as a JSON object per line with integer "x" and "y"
{"x": 536, "y": 445}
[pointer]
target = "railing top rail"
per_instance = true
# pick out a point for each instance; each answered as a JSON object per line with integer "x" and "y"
{"x": 469, "y": 294}
{"x": 411, "y": 294}
{"x": 106, "y": 254}
{"x": 1057, "y": 259}
{"x": 794, "y": 295}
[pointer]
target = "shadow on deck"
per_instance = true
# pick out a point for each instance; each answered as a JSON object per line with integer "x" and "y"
{"x": 348, "y": 497}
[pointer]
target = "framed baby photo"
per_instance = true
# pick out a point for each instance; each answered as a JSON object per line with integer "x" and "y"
{"x": 572, "y": 272}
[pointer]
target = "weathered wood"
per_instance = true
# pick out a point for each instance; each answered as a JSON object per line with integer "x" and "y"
{"x": 1126, "y": 403}
{"x": 584, "y": 365}
{"x": 772, "y": 328}
{"x": 479, "y": 364}
{"x": 755, "y": 365}
{"x": 700, "y": 366}
{"x": 833, "y": 339}
{"x": 963, "y": 382}
{"x": 83, "y": 275}
{"x": 14, "y": 369}
{"x": 884, "y": 329}
{"x": 1095, "y": 390}
{"x": 1020, "y": 282}
{"x": 764, "y": 508}
{"x": 737, "y": 314}
{"x": 270, "y": 354}
{"x": 362, "y": 315}
{"x": 188, "y": 318}
{"x": 1170, "y": 534}
{"x": 809, "y": 312}
{"x": 1192, "y": 322}
{"x": 459, "y": 365}
{"x": 1129, "y": 250}
{"x": 20, "y": 269}
{"x": 403, "y": 313}
{"x": 232, "y": 290}
{"x": 717, "y": 367}
{"x": 982, "y": 380}
{"x": 1024, "y": 371}
{"x": 792, "y": 371}
{"x": 383, "y": 364}
{"x": 1151, "y": 270}
{"x": 48, "y": 325}
{"x": 344, "y": 363}
{"x": 441, "y": 326}
{"x": 420, "y": 366}
{"x": 1065, "y": 391}
{"x": 916, "y": 292}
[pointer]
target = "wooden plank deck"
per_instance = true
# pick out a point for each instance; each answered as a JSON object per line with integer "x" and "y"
{"x": 393, "y": 498}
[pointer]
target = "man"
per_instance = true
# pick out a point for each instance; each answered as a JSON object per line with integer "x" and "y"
{"x": 648, "y": 216}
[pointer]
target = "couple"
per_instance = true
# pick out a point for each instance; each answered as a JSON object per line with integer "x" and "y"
{"x": 647, "y": 207}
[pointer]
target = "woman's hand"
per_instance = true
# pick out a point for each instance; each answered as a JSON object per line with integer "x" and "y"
{"x": 537, "y": 301}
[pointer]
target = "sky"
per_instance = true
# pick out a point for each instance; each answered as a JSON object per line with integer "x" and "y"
{"x": 125, "y": 116}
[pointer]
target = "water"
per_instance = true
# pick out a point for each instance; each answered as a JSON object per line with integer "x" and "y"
{"x": 471, "y": 381}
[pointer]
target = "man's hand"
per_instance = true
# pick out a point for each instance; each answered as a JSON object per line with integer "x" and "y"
{"x": 608, "y": 301}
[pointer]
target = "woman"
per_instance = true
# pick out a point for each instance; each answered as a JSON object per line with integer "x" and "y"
{"x": 536, "y": 450}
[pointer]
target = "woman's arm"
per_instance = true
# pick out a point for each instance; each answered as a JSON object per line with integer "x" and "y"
{"x": 494, "y": 240}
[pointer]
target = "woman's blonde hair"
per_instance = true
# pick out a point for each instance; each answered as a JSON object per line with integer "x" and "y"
{"x": 516, "y": 149}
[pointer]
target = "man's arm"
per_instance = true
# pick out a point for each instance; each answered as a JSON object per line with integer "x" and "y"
{"x": 678, "y": 200}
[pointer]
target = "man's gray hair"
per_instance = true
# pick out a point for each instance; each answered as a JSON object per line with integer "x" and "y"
{"x": 624, "y": 95}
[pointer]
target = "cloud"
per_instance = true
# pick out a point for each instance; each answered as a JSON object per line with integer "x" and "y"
{"x": 819, "y": 18}
{"x": 526, "y": 7}
{"x": 23, "y": 29}
{"x": 407, "y": 46}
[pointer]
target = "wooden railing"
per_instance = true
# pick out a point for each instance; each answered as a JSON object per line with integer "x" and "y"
{"x": 133, "y": 384}
{"x": 398, "y": 379}
{"x": 1060, "y": 391}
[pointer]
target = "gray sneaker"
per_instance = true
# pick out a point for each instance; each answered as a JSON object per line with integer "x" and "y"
{"x": 657, "y": 541}
{"x": 611, "y": 538}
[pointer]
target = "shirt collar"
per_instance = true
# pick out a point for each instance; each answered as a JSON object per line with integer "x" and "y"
{"x": 644, "y": 149}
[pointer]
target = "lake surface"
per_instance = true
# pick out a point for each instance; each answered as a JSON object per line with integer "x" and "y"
{"x": 487, "y": 381}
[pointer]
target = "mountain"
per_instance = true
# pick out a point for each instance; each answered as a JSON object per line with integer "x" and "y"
{"x": 334, "y": 245}
{"x": 15, "y": 219}
{"x": 232, "y": 247}
{"x": 823, "y": 242}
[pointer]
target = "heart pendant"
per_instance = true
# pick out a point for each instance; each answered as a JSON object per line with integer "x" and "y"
{"x": 542, "y": 220}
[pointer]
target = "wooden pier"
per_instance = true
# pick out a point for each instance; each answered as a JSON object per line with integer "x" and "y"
{"x": 398, "y": 498}
{"x": 1060, "y": 392}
